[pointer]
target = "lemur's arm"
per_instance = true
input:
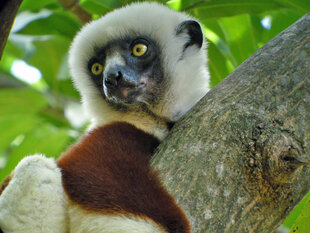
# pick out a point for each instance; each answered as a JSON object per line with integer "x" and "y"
{"x": 32, "y": 199}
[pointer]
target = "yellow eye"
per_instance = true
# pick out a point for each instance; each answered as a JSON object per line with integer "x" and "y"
{"x": 139, "y": 49}
{"x": 96, "y": 68}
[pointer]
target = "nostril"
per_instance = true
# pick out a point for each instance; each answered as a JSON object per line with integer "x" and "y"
{"x": 113, "y": 78}
{"x": 119, "y": 76}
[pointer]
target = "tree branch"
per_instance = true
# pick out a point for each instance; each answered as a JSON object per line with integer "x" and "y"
{"x": 239, "y": 161}
{"x": 75, "y": 8}
{"x": 7, "y": 81}
{"x": 8, "y": 13}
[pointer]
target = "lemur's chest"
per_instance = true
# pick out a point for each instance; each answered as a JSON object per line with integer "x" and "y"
{"x": 108, "y": 174}
{"x": 109, "y": 169}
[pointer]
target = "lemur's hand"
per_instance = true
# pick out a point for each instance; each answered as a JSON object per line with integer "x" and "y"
{"x": 32, "y": 198}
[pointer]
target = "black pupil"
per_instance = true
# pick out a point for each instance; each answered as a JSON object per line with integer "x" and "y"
{"x": 138, "y": 50}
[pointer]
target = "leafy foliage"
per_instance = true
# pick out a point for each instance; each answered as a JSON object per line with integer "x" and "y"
{"x": 302, "y": 224}
{"x": 41, "y": 117}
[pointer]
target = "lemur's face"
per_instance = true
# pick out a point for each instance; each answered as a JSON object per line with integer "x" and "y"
{"x": 127, "y": 71}
{"x": 144, "y": 64}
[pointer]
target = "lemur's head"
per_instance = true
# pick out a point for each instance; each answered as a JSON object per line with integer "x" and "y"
{"x": 144, "y": 64}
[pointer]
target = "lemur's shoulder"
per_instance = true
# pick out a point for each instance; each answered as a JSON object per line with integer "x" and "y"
{"x": 108, "y": 172}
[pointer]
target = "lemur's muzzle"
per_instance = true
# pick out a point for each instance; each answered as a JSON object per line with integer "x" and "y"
{"x": 122, "y": 83}
{"x": 119, "y": 77}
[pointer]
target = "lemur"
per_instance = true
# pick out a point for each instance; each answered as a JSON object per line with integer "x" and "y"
{"x": 138, "y": 69}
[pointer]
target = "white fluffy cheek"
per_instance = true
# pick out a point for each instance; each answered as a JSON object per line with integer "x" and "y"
{"x": 189, "y": 81}
{"x": 34, "y": 200}
{"x": 87, "y": 222}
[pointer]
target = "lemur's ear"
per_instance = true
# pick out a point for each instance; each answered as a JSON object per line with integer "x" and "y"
{"x": 193, "y": 29}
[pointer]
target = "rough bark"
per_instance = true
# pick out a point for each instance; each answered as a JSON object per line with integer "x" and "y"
{"x": 8, "y": 12}
{"x": 239, "y": 161}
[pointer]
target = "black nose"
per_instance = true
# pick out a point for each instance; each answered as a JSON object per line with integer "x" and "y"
{"x": 120, "y": 76}
{"x": 113, "y": 78}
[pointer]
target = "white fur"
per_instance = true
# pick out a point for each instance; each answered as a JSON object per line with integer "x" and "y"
{"x": 187, "y": 78}
{"x": 34, "y": 200}
{"x": 82, "y": 221}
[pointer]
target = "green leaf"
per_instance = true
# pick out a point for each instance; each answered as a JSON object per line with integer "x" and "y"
{"x": 224, "y": 8}
{"x": 303, "y": 6}
{"x": 221, "y": 58}
{"x": 38, "y": 5}
{"x": 24, "y": 44}
{"x": 100, "y": 7}
{"x": 240, "y": 38}
{"x": 280, "y": 20}
{"x": 21, "y": 101}
{"x": 44, "y": 140}
{"x": 55, "y": 116}
{"x": 48, "y": 57}
{"x": 214, "y": 26}
{"x": 258, "y": 29}
{"x": 291, "y": 219}
{"x": 13, "y": 125}
{"x": 12, "y": 51}
{"x": 10, "y": 54}
{"x": 26, "y": 17}
{"x": 66, "y": 88}
{"x": 217, "y": 65}
{"x": 175, "y": 4}
{"x": 57, "y": 22}
{"x": 302, "y": 223}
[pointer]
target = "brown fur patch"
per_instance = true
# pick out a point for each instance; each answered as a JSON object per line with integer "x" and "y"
{"x": 5, "y": 183}
{"x": 109, "y": 170}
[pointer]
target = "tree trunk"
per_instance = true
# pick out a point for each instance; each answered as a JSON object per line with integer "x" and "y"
{"x": 239, "y": 161}
{"x": 8, "y": 12}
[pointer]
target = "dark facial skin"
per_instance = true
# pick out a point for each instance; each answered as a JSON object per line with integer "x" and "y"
{"x": 138, "y": 82}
